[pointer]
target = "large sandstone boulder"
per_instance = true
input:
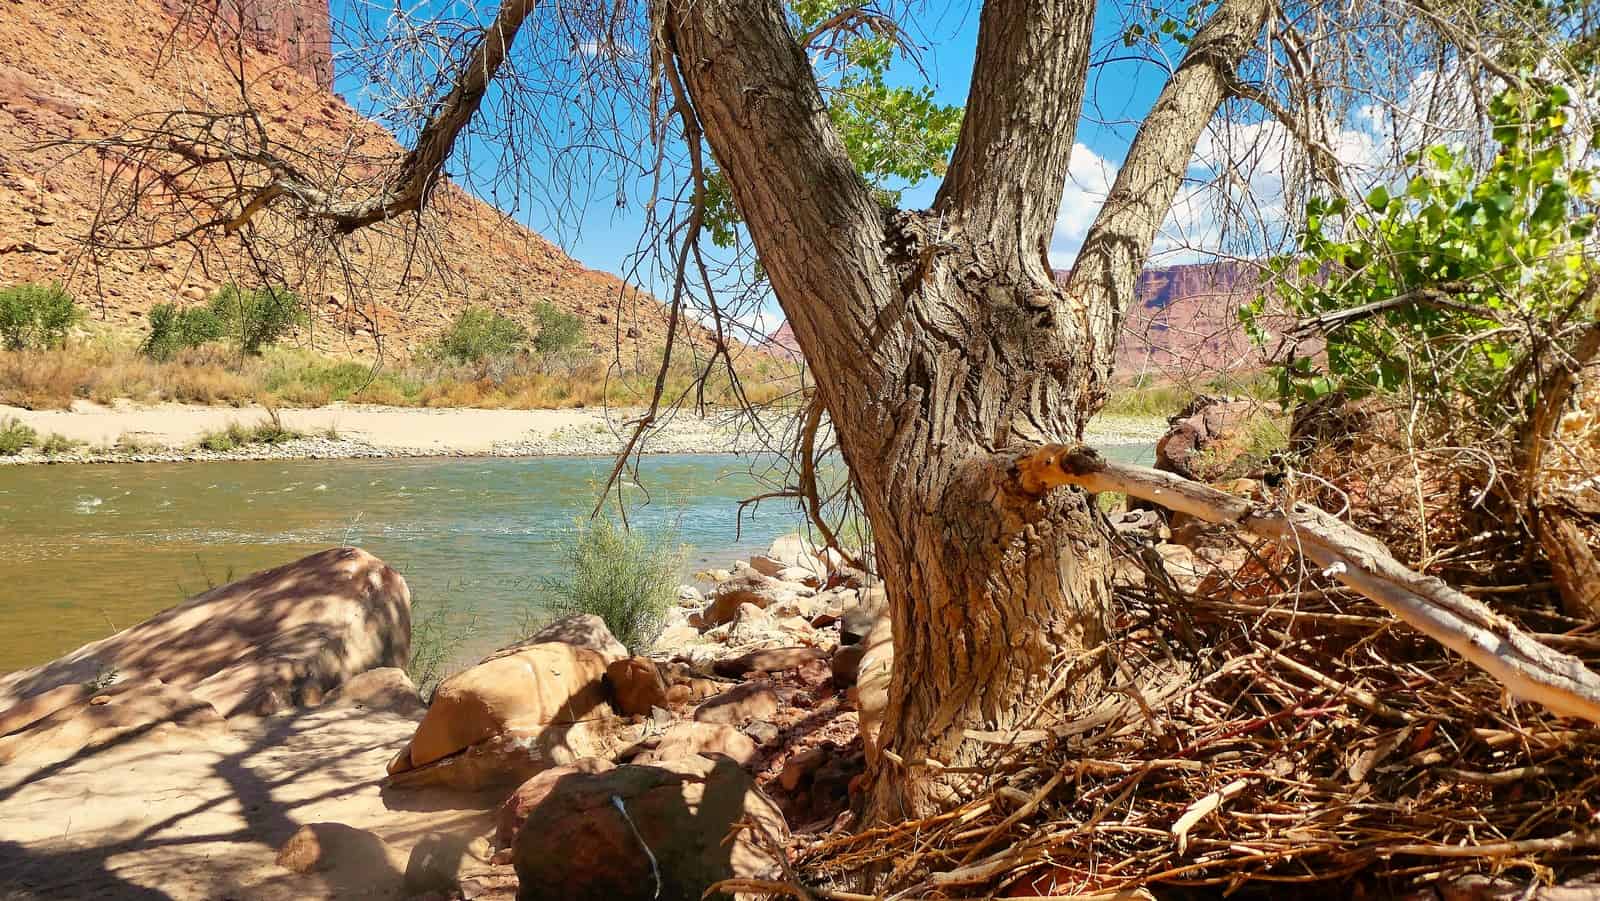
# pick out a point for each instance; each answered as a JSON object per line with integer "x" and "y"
{"x": 276, "y": 639}
{"x": 147, "y": 709}
{"x": 514, "y": 714}
{"x": 651, "y": 833}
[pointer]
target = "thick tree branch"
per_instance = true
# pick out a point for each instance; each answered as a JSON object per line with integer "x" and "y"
{"x": 817, "y": 228}
{"x": 1530, "y": 670}
{"x": 1116, "y": 246}
{"x": 1010, "y": 163}
{"x": 420, "y": 170}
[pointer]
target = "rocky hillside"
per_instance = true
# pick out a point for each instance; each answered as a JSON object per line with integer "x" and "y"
{"x": 83, "y": 70}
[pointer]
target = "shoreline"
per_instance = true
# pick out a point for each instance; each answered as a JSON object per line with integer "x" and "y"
{"x": 169, "y": 433}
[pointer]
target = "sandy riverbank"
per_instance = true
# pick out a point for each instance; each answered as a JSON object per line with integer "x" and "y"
{"x": 170, "y": 432}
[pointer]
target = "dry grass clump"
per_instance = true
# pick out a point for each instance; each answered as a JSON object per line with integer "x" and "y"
{"x": 53, "y": 379}
{"x": 1293, "y": 737}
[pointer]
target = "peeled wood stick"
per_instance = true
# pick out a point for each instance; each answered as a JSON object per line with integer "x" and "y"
{"x": 1528, "y": 669}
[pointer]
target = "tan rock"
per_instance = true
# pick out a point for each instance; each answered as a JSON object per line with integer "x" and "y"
{"x": 276, "y": 639}
{"x": 739, "y": 704}
{"x": 684, "y": 739}
{"x": 748, "y": 587}
{"x": 385, "y": 688}
{"x": 581, "y": 630}
{"x": 768, "y": 661}
{"x": 522, "y": 691}
{"x": 517, "y": 755}
{"x": 322, "y": 847}
{"x": 800, "y": 766}
{"x": 872, "y": 684}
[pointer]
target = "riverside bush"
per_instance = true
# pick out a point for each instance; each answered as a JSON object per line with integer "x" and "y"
{"x": 14, "y": 436}
{"x": 558, "y": 329}
{"x": 256, "y": 318}
{"x": 478, "y": 334}
{"x": 174, "y": 329}
{"x": 439, "y": 629}
{"x": 627, "y": 577}
{"x": 36, "y": 316}
{"x": 270, "y": 431}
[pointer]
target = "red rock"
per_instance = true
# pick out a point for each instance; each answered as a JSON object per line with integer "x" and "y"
{"x": 636, "y": 685}
{"x": 593, "y": 831}
{"x": 513, "y": 814}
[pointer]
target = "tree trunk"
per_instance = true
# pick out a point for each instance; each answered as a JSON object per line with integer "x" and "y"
{"x": 939, "y": 340}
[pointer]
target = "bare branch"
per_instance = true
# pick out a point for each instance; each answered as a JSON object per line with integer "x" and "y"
{"x": 1529, "y": 669}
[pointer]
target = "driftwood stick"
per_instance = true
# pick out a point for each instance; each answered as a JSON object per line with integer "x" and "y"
{"x": 1528, "y": 669}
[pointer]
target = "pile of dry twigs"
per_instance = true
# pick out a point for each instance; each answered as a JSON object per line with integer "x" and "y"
{"x": 1280, "y": 734}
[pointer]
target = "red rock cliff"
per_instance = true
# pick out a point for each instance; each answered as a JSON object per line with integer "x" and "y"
{"x": 298, "y": 32}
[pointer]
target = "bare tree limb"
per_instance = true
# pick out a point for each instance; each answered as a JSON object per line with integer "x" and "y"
{"x": 1528, "y": 669}
{"x": 1118, "y": 243}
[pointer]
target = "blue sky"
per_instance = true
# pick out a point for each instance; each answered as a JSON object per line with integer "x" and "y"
{"x": 1120, "y": 92}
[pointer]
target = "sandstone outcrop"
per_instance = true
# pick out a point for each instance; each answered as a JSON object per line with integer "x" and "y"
{"x": 277, "y": 639}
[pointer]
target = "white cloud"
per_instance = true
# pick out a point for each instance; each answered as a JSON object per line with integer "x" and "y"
{"x": 1089, "y": 177}
{"x": 1235, "y": 193}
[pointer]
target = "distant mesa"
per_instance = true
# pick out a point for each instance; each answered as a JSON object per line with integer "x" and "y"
{"x": 783, "y": 343}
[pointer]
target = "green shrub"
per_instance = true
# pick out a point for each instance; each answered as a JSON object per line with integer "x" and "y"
{"x": 479, "y": 334}
{"x": 256, "y": 318}
{"x": 1450, "y": 289}
{"x": 36, "y": 316}
{"x": 438, "y": 631}
{"x": 269, "y": 431}
{"x": 627, "y": 577}
{"x": 558, "y": 329}
{"x": 58, "y": 444}
{"x": 173, "y": 329}
{"x": 14, "y": 436}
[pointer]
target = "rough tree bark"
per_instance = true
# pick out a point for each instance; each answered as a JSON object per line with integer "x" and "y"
{"x": 940, "y": 338}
